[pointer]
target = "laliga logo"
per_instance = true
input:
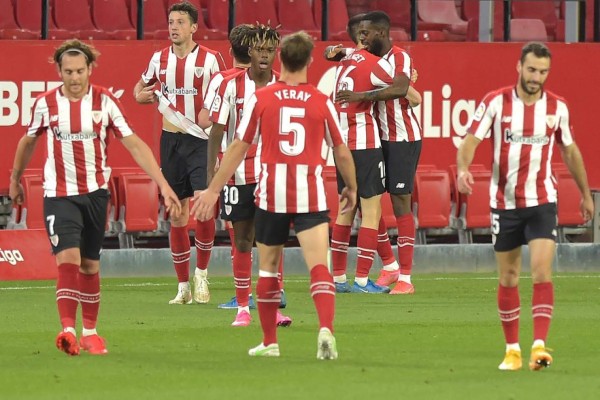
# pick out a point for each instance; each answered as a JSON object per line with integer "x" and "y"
{"x": 448, "y": 120}
{"x": 11, "y": 256}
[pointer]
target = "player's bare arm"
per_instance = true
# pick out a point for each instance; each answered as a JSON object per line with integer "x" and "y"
{"x": 205, "y": 200}
{"x": 464, "y": 158}
{"x": 143, "y": 156}
{"x": 204, "y": 121}
{"x": 25, "y": 150}
{"x": 345, "y": 164}
{"x": 574, "y": 161}
{"x": 413, "y": 96}
{"x": 334, "y": 53}
{"x": 214, "y": 144}
{"x": 396, "y": 90}
{"x": 143, "y": 93}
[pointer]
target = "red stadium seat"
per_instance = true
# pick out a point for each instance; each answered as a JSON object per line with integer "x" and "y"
{"x": 431, "y": 203}
{"x": 253, "y": 11}
{"x": 338, "y": 18}
{"x": 111, "y": 17}
{"x": 545, "y": 11}
{"x": 9, "y": 29}
{"x": 443, "y": 12}
{"x": 28, "y": 14}
{"x": 568, "y": 203}
{"x": 296, "y": 15}
{"x": 32, "y": 209}
{"x": 475, "y": 211}
{"x": 155, "y": 16}
{"x": 470, "y": 11}
{"x": 138, "y": 198}
{"x": 525, "y": 30}
{"x": 75, "y": 15}
{"x": 218, "y": 14}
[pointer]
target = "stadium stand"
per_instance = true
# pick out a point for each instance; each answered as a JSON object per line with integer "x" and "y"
{"x": 546, "y": 11}
{"x": 431, "y": 204}
{"x": 525, "y": 30}
{"x": 470, "y": 12}
{"x": 9, "y": 29}
{"x": 253, "y": 11}
{"x": 111, "y": 17}
{"x": 338, "y": 18}
{"x": 28, "y": 15}
{"x": 443, "y": 12}
{"x": 570, "y": 220}
{"x": 475, "y": 208}
{"x": 217, "y": 14}
{"x": 295, "y": 15}
{"x": 74, "y": 15}
{"x": 30, "y": 214}
{"x": 155, "y": 16}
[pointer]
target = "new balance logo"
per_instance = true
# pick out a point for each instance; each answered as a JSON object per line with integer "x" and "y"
{"x": 162, "y": 72}
{"x": 400, "y": 185}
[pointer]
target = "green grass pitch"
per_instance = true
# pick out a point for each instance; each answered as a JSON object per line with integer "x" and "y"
{"x": 444, "y": 342}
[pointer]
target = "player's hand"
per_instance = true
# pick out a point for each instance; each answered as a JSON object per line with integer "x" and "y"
{"x": 146, "y": 95}
{"x": 172, "y": 202}
{"x": 15, "y": 192}
{"x": 347, "y": 96}
{"x": 204, "y": 205}
{"x": 414, "y": 75}
{"x": 587, "y": 207}
{"x": 465, "y": 182}
{"x": 333, "y": 51}
{"x": 347, "y": 200}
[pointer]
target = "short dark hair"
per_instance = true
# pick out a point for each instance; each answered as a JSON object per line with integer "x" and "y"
{"x": 238, "y": 38}
{"x": 74, "y": 47}
{"x": 296, "y": 50}
{"x": 185, "y": 7}
{"x": 379, "y": 18}
{"x": 352, "y": 27}
{"x": 539, "y": 49}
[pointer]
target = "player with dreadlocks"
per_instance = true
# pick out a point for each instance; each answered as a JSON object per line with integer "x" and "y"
{"x": 237, "y": 197}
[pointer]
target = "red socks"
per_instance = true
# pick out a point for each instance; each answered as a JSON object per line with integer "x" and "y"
{"x": 268, "y": 298}
{"x": 242, "y": 273}
{"x": 406, "y": 242}
{"x": 340, "y": 239}
{"x": 384, "y": 247}
{"x": 509, "y": 309}
{"x": 67, "y": 294}
{"x": 542, "y": 306}
{"x": 205, "y": 238}
{"x": 89, "y": 288}
{"x": 322, "y": 291}
{"x": 365, "y": 249}
{"x": 180, "y": 251}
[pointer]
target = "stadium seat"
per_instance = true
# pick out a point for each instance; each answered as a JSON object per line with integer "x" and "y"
{"x": 399, "y": 13}
{"x": 470, "y": 12}
{"x": 330, "y": 180}
{"x": 570, "y": 219}
{"x": 431, "y": 204}
{"x": 296, "y": 15}
{"x": 443, "y": 12}
{"x": 155, "y": 16}
{"x": 111, "y": 17}
{"x": 9, "y": 29}
{"x": 218, "y": 14}
{"x": 546, "y": 11}
{"x": 475, "y": 210}
{"x": 28, "y": 14}
{"x": 112, "y": 226}
{"x": 138, "y": 206}
{"x": 32, "y": 209}
{"x": 253, "y": 11}
{"x": 338, "y": 18}
{"x": 525, "y": 30}
{"x": 75, "y": 16}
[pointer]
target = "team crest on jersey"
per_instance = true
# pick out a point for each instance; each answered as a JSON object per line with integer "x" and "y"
{"x": 216, "y": 105}
{"x": 227, "y": 209}
{"x": 198, "y": 71}
{"x": 479, "y": 112}
{"x": 97, "y": 116}
{"x": 54, "y": 240}
{"x": 550, "y": 120}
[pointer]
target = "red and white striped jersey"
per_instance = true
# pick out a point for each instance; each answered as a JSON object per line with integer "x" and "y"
{"x": 293, "y": 123}
{"x": 213, "y": 88}
{"x": 361, "y": 71}
{"x": 523, "y": 137}
{"x": 397, "y": 120}
{"x": 77, "y": 136}
{"x": 227, "y": 108}
{"x": 184, "y": 81}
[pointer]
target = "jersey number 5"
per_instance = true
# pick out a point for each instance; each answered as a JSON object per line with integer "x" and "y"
{"x": 293, "y": 132}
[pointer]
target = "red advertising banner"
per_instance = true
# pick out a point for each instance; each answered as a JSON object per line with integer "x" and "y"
{"x": 453, "y": 77}
{"x": 26, "y": 255}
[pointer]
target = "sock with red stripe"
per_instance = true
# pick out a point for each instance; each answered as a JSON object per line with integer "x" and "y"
{"x": 542, "y": 307}
{"x": 322, "y": 291}
{"x": 509, "y": 309}
{"x": 89, "y": 288}
{"x": 242, "y": 271}
{"x": 340, "y": 240}
{"x": 366, "y": 247}
{"x": 384, "y": 247}
{"x": 67, "y": 294}
{"x": 406, "y": 242}
{"x": 268, "y": 297}
{"x": 180, "y": 251}
{"x": 205, "y": 238}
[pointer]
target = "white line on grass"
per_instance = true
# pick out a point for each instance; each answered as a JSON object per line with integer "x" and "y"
{"x": 444, "y": 278}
